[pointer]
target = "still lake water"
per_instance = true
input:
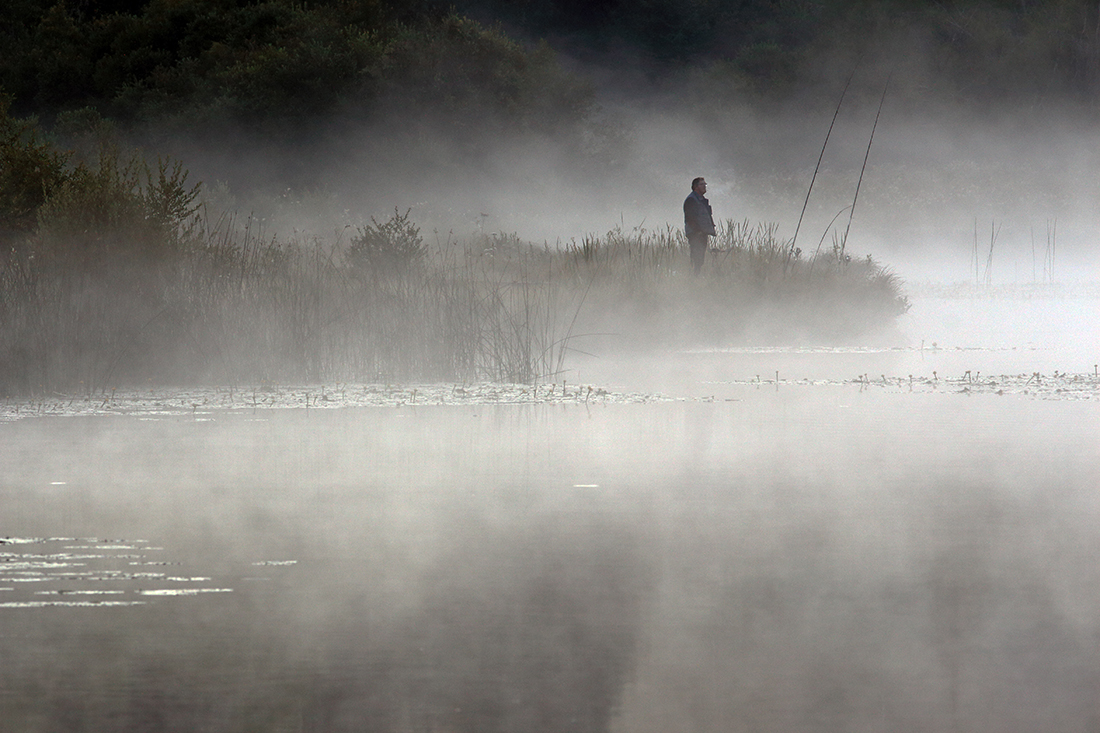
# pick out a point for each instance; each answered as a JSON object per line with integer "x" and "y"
{"x": 777, "y": 556}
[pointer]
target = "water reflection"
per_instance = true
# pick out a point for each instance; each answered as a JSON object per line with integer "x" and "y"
{"x": 819, "y": 559}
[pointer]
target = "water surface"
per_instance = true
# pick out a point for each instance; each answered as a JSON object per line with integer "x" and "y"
{"x": 785, "y": 555}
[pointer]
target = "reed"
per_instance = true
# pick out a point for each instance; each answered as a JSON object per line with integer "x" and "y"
{"x": 233, "y": 305}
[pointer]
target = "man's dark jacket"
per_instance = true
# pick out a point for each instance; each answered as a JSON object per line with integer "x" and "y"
{"x": 698, "y": 218}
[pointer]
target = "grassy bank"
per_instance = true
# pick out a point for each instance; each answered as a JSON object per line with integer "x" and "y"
{"x": 231, "y": 306}
{"x": 113, "y": 274}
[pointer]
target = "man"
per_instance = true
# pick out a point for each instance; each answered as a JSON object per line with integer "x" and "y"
{"x": 698, "y": 222}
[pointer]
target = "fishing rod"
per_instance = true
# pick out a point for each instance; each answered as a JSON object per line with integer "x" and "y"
{"x": 821, "y": 155}
{"x": 866, "y": 155}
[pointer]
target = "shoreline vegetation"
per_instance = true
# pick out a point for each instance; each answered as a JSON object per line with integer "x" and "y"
{"x": 114, "y": 274}
{"x": 228, "y": 307}
{"x": 120, "y": 278}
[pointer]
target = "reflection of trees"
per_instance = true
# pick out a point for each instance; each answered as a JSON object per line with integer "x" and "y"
{"x": 961, "y": 585}
{"x": 959, "y": 599}
{"x": 539, "y": 639}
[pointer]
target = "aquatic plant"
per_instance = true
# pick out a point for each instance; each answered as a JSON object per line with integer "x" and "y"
{"x": 390, "y": 245}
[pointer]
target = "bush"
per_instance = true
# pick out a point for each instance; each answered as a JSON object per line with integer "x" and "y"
{"x": 386, "y": 248}
{"x": 75, "y": 213}
{"x": 118, "y": 208}
{"x": 31, "y": 170}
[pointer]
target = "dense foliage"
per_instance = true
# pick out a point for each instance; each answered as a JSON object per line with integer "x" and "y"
{"x": 67, "y": 210}
{"x": 449, "y": 81}
{"x": 276, "y": 65}
{"x": 974, "y": 50}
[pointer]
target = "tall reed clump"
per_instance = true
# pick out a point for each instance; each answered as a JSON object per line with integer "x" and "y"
{"x": 753, "y": 287}
{"x": 86, "y": 263}
{"x": 231, "y": 305}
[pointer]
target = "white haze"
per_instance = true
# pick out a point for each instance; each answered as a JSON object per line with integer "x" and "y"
{"x": 939, "y": 188}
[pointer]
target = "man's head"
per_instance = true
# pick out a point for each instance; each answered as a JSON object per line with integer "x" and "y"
{"x": 699, "y": 186}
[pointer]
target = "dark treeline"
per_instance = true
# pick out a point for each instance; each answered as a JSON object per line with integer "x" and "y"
{"x": 980, "y": 50}
{"x": 271, "y": 63}
{"x": 276, "y": 72}
{"x": 288, "y": 60}
{"x": 226, "y": 75}
{"x": 277, "y": 65}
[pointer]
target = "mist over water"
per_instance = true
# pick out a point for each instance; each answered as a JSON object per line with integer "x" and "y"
{"x": 777, "y": 555}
